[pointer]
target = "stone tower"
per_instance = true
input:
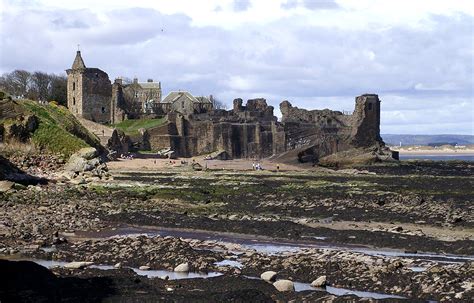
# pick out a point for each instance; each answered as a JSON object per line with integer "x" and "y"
{"x": 366, "y": 124}
{"x": 89, "y": 92}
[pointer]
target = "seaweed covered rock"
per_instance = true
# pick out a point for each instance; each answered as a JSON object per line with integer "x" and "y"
{"x": 359, "y": 156}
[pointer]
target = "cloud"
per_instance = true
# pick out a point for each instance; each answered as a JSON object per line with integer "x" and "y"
{"x": 310, "y": 4}
{"x": 320, "y": 4}
{"x": 289, "y": 4}
{"x": 241, "y": 5}
{"x": 423, "y": 74}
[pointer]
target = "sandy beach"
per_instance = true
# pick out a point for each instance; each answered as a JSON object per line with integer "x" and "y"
{"x": 158, "y": 164}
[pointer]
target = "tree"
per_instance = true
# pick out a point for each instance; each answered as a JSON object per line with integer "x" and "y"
{"x": 40, "y": 86}
{"x": 58, "y": 89}
{"x": 216, "y": 103}
{"x": 21, "y": 82}
{"x": 16, "y": 83}
{"x": 37, "y": 86}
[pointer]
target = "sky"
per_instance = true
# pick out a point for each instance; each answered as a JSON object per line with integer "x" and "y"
{"x": 418, "y": 56}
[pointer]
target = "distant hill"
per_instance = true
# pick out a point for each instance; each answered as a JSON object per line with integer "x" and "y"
{"x": 395, "y": 139}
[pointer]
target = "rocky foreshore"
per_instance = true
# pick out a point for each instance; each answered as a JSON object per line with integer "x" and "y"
{"x": 242, "y": 225}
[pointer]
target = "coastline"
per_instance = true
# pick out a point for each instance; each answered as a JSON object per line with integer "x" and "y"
{"x": 438, "y": 152}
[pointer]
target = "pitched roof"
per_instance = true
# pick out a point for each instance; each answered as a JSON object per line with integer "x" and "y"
{"x": 174, "y": 96}
{"x": 150, "y": 85}
{"x": 78, "y": 62}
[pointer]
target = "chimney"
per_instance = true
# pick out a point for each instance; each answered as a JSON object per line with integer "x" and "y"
{"x": 135, "y": 80}
{"x": 149, "y": 80}
{"x": 118, "y": 81}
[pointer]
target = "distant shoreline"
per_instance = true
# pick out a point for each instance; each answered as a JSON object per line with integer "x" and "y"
{"x": 437, "y": 152}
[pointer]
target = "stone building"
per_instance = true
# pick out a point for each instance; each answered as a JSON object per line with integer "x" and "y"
{"x": 194, "y": 127}
{"x": 89, "y": 91}
{"x": 183, "y": 103}
{"x": 252, "y": 131}
{"x": 92, "y": 96}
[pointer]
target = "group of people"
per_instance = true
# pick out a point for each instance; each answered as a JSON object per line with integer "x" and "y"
{"x": 126, "y": 156}
{"x": 256, "y": 166}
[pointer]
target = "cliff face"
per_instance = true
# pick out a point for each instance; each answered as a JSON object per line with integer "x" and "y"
{"x": 252, "y": 131}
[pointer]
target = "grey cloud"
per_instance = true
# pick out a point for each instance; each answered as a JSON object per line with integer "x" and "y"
{"x": 320, "y": 4}
{"x": 313, "y": 67}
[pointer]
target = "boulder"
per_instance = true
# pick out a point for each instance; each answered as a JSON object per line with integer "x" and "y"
{"x": 183, "y": 267}
{"x": 87, "y": 153}
{"x": 320, "y": 282}
{"x": 86, "y": 160}
{"x": 269, "y": 276}
{"x": 6, "y": 186}
{"x": 284, "y": 285}
{"x": 78, "y": 265}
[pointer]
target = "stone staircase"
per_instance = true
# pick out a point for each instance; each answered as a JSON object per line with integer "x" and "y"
{"x": 103, "y": 132}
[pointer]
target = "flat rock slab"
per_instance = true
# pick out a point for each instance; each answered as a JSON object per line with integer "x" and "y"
{"x": 78, "y": 265}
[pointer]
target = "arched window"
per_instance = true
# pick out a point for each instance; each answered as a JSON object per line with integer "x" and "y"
{"x": 73, "y": 101}
{"x": 73, "y": 85}
{"x": 103, "y": 110}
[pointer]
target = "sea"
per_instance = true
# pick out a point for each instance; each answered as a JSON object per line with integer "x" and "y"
{"x": 435, "y": 157}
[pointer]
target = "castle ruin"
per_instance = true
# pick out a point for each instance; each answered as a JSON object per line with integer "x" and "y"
{"x": 193, "y": 127}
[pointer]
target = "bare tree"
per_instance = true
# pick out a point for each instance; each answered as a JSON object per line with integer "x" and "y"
{"x": 36, "y": 86}
{"x": 40, "y": 86}
{"x": 21, "y": 82}
{"x": 216, "y": 103}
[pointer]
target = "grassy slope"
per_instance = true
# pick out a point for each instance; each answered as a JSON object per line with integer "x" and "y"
{"x": 59, "y": 131}
{"x": 131, "y": 127}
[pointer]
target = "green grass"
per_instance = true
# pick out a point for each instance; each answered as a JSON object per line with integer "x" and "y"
{"x": 131, "y": 127}
{"x": 58, "y": 130}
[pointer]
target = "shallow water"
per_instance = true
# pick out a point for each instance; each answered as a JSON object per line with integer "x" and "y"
{"x": 272, "y": 247}
{"x": 300, "y": 286}
{"x": 171, "y": 275}
{"x": 417, "y": 268}
{"x": 230, "y": 263}
{"x": 436, "y": 157}
{"x": 148, "y": 273}
{"x": 424, "y": 256}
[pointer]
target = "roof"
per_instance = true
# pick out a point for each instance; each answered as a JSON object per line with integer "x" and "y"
{"x": 150, "y": 85}
{"x": 174, "y": 96}
{"x": 203, "y": 99}
{"x": 78, "y": 62}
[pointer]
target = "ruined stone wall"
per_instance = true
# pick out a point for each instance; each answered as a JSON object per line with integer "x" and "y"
{"x": 313, "y": 134}
{"x": 322, "y": 118}
{"x": 251, "y": 131}
{"x": 366, "y": 121}
{"x": 240, "y": 140}
{"x": 255, "y": 110}
{"x": 117, "y": 112}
